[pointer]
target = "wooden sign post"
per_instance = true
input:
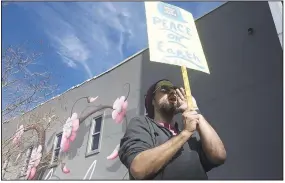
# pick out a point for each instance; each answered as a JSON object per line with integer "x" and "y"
{"x": 187, "y": 87}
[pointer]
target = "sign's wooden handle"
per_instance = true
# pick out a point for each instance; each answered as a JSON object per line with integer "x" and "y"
{"x": 187, "y": 87}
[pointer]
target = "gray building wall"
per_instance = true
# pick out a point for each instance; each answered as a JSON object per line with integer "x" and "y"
{"x": 241, "y": 98}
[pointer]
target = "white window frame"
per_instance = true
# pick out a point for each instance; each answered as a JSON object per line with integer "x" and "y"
{"x": 4, "y": 167}
{"x": 17, "y": 158}
{"x": 55, "y": 148}
{"x": 89, "y": 151}
{"x": 24, "y": 168}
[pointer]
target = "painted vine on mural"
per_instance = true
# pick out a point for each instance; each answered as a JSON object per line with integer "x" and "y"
{"x": 40, "y": 158}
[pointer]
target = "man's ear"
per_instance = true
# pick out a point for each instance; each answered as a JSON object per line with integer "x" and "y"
{"x": 153, "y": 101}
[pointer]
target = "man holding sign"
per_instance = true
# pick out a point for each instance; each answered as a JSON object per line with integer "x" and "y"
{"x": 156, "y": 147}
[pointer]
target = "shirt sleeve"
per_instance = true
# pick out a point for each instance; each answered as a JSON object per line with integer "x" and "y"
{"x": 206, "y": 163}
{"x": 136, "y": 140}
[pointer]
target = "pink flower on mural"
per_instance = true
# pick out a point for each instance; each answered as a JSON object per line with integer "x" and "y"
{"x": 65, "y": 169}
{"x": 120, "y": 109}
{"x": 34, "y": 162}
{"x": 18, "y": 135}
{"x": 91, "y": 99}
{"x": 69, "y": 132}
{"x": 115, "y": 153}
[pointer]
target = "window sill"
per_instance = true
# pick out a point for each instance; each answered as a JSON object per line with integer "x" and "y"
{"x": 91, "y": 153}
{"x": 53, "y": 165}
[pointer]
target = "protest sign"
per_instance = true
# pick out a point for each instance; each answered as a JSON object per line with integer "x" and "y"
{"x": 173, "y": 37}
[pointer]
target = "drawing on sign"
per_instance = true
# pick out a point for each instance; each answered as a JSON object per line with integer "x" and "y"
{"x": 175, "y": 35}
{"x": 173, "y": 38}
{"x": 170, "y": 12}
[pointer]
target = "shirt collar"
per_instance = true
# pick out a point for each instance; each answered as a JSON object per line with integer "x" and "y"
{"x": 173, "y": 128}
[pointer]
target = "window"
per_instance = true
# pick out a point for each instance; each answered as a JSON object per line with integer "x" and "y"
{"x": 56, "y": 148}
{"x": 26, "y": 162}
{"x": 4, "y": 167}
{"x": 95, "y": 134}
{"x": 17, "y": 158}
{"x": 12, "y": 161}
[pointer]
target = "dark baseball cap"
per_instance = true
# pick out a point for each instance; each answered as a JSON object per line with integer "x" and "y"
{"x": 150, "y": 94}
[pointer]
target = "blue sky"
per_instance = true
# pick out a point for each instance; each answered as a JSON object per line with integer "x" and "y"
{"x": 80, "y": 40}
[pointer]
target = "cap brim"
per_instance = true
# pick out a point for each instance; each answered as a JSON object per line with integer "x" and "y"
{"x": 164, "y": 83}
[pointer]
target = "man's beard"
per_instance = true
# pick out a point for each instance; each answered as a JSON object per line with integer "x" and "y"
{"x": 167, "y": 110}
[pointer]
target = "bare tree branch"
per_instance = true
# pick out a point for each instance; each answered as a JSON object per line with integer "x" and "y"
{"x": 23, "y": 88}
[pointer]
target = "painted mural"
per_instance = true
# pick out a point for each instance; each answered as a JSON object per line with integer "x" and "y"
{"x": 35, "y": 166}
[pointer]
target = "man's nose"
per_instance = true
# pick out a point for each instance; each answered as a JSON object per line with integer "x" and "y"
{"x": 172, "y": 92}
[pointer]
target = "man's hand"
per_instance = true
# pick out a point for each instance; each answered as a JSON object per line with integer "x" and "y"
{"x": 191, "y": 119}
{"x": 182, "y": 101}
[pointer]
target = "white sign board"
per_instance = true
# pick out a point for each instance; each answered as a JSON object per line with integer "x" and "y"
{"x": 173, "y": 37}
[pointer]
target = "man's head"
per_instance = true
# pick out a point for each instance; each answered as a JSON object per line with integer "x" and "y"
{"x": 161, "y": 97}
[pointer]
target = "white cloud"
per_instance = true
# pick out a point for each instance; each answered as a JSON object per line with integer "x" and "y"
{"x": 95, "y": 35}
{"x": 72, "y": 50}
{"x": 92, "y": 34}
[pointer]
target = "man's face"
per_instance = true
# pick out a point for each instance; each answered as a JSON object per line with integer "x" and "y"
{"x": 165, "y": 100}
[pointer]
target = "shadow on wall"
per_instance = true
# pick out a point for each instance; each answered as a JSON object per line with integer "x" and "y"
{"x": 81, "y": 134}
{"x": 85, "y": 128}
{"x": 124, "y": 123}
{"x": 50, "y": 140}
{"x": 115, "y": 166}
{"x": 78, "y": 142}
{"x": 129, "y": 115}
